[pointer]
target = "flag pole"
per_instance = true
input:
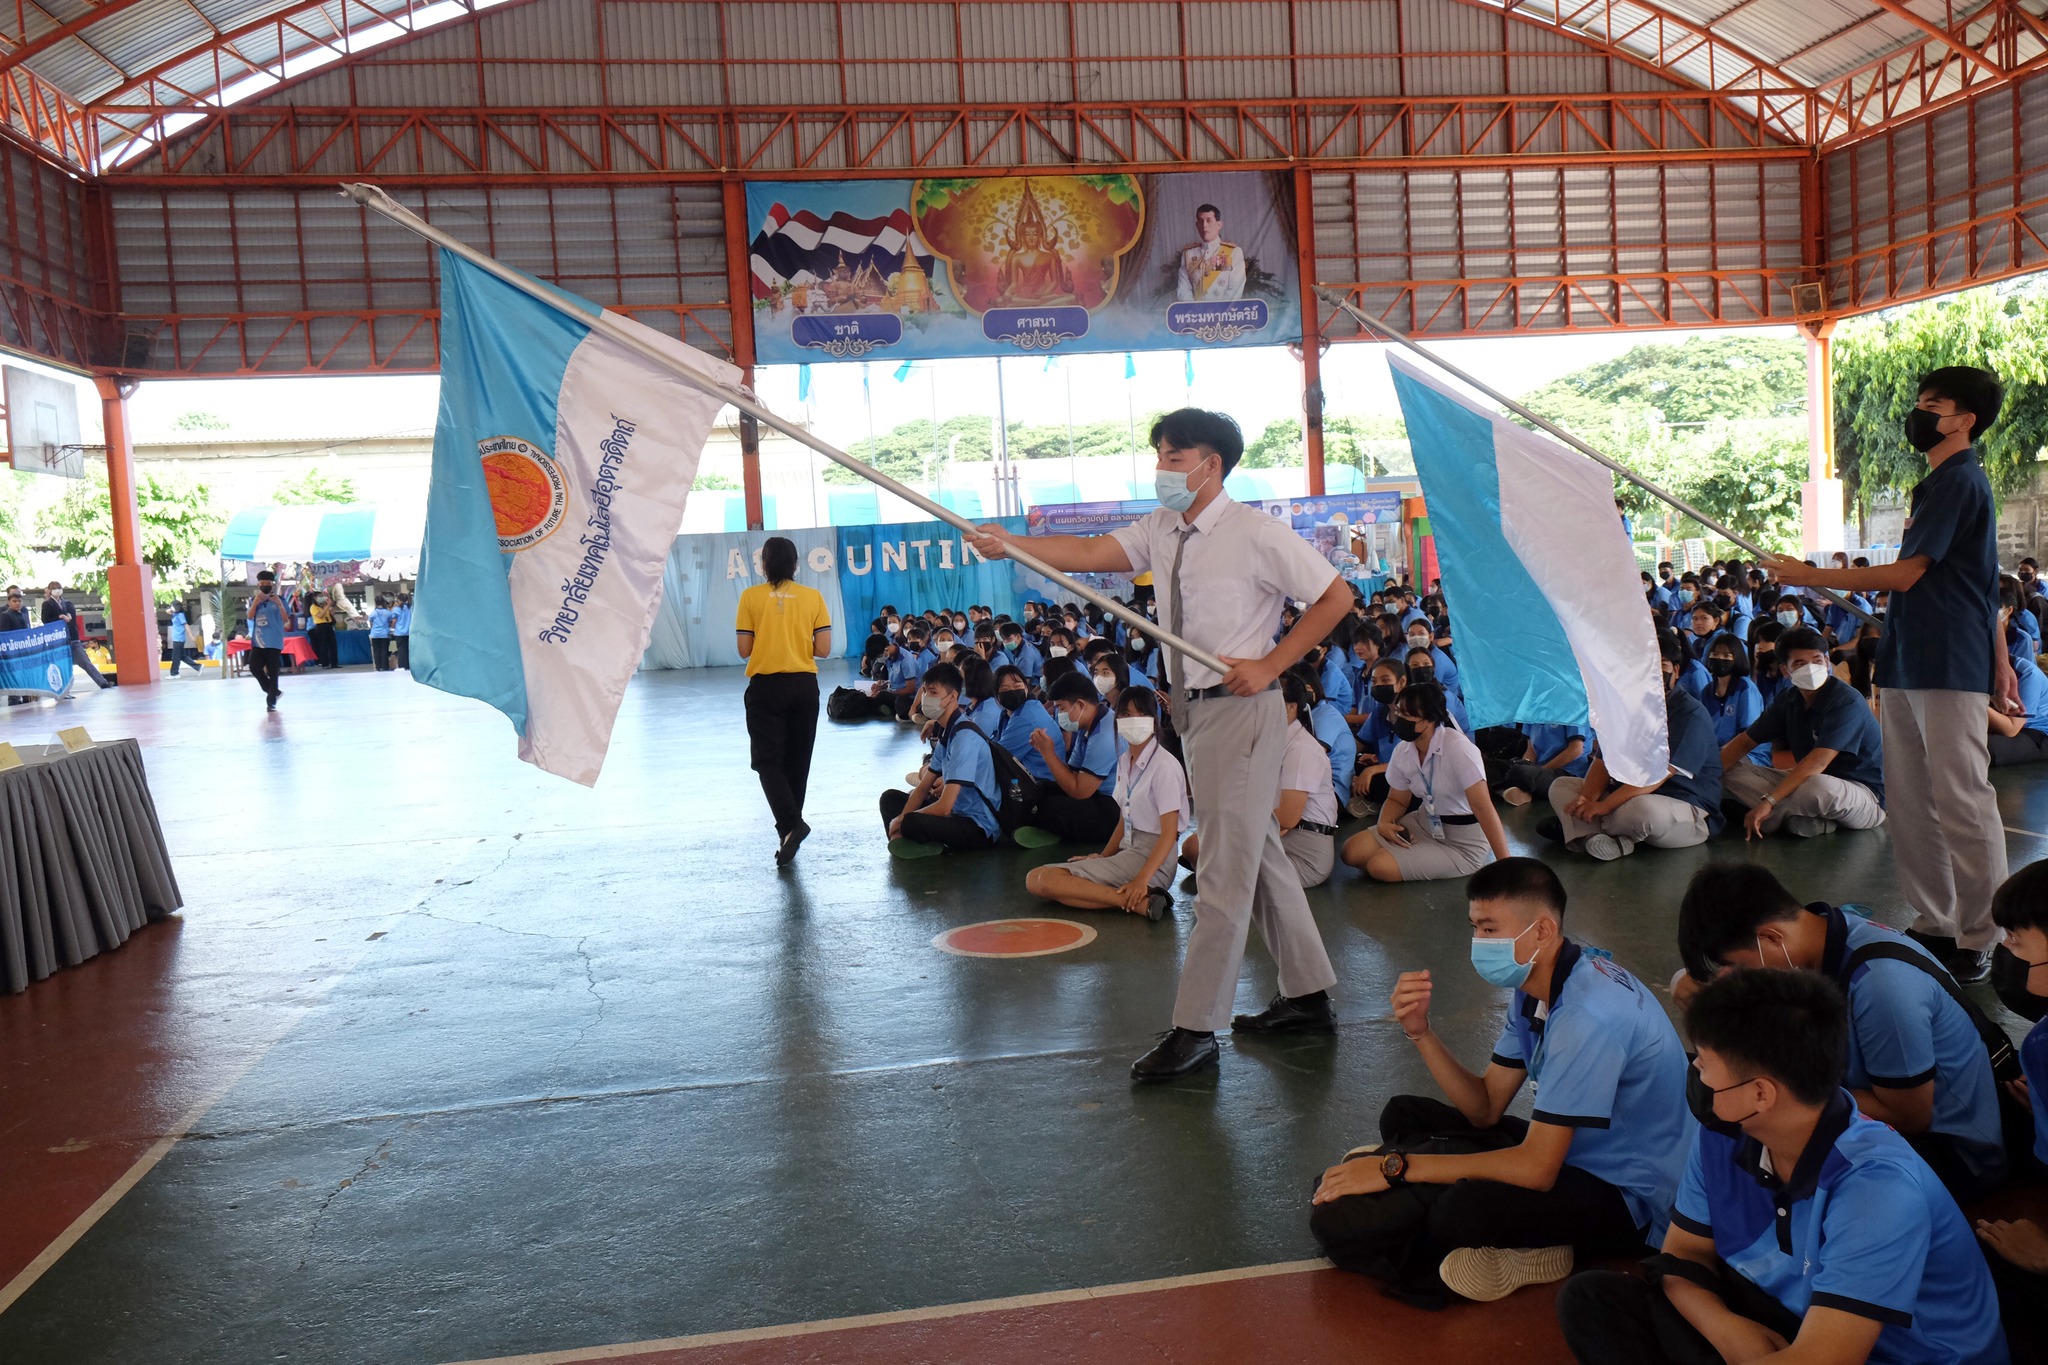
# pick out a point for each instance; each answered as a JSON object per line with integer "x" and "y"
{"x": 374, "y": 198}
{"x": 1337, "y": 299}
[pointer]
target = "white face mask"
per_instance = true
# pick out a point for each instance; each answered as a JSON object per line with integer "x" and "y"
{"x": 1788, "y": 619}
{"x": 1105, "y": 683}
{"x": 1134, "y": 729}
{"x": 892, "y": 627}
{"x": 1057, "y": 651}
{"x": 1809, "y": 677}
{"x": 1418, "y": 642}
{"x": 931, "y": 707}
{"x": 945, "y": 642}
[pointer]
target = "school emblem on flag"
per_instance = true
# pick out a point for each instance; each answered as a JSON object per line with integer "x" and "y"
{"x": 562, "y": 458}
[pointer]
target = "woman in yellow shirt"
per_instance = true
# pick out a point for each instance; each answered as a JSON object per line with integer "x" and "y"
{"x": 784, "y": 630}
{"x": 320, "y": 633}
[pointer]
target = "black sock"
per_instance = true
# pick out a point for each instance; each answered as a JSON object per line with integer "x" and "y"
{"x": 1312, "y": 998}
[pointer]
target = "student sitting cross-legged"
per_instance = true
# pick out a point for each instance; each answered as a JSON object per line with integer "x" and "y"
{"x": 1802, "y": 1230}
{"x": 1837, "y": 776}
{"x": 1678, "y": 811}
{"x": 2018, "y": 1247}
{"x": 1078, "y": 806}
{"x": 1916, "y": 1060}
{"x": 1135, "y": 867}
{"x": 953, "y": 804}
{"x": 1492, "y": 1203}
{"x": 1307, "y": 810}
{"x": 1438, "y": 820}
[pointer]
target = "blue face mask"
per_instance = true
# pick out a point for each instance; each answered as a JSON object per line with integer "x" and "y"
{"x": 1494, "y": 960}
{"x": 1172, "y": 489}
{"x": 1067, "y": 723}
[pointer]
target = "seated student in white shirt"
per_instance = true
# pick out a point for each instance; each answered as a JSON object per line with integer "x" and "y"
{"x": 1307, "y": 812}
{"x": 1135, "y": 868}
{"x": 1439, "y": 819}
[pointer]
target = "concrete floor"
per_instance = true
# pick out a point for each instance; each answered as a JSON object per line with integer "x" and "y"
{"x": 479, "y": 1063}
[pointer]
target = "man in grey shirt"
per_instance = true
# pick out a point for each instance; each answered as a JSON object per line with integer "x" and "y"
{"x": 1222, "y": 573}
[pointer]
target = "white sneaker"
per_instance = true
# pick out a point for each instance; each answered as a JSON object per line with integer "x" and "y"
{"x": 1608, "y": 847}
{"x": 1362, "y": 807}
{"x": 1484, "y": 1274}
{"x": 1807, "y": 826}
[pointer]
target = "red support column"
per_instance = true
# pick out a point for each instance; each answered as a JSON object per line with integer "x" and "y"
{"x": 131, "y": 587}
{"x": 1311, "y": 329}
{"x": 740, "y": 305}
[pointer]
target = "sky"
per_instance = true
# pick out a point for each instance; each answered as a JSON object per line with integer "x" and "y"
{"x": 847, "y": 399}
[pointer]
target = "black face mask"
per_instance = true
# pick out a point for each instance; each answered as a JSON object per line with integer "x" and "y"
{"x": 1766, "y": 664}
{"x": 2009, "y": 978}
{"x": 1384, "y": 693}
{"x": 1421, "y": 675}
{"x": 1406, "y": 730}
{"x": 1923, "y": 430}
{"x": 1012, "y": 698}
{"x": 1721, "y": 668}
{"x": 1700, "y": 1099}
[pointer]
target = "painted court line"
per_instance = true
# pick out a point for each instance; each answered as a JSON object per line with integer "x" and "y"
{"x": 942, "y": 1311}
{"x": 161, "y": 1148}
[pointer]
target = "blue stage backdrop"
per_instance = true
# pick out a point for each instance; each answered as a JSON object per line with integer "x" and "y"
{"x": 36, "y": 660}
{"x": 919, "y": 564}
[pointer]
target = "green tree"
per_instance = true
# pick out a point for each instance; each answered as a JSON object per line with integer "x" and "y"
{"x": 905, "y": 452}
{"x": 1879, "y": 362}
{"x": 1279, "y": 446}
{"x": 199, "y": 421}
{"x": 712, "y": 482}
{"x": 1716, "y": 421}
{"x": 180, "y": 530}
{"x": 317, "y": 485}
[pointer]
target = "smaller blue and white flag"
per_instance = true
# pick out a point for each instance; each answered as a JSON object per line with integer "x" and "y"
{"x": 562, "y": 458}
{"x": 1544, "y": 591}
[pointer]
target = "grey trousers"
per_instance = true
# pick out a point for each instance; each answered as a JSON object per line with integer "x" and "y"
{"x": 1948, "y": 839}
{"x": 1849, "y": 804}
{"x": 1233, "y": 747}
{"x": 1659, "y": 821}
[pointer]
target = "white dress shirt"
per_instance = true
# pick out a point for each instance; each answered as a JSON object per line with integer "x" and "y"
{"x": 1240, "y": 568}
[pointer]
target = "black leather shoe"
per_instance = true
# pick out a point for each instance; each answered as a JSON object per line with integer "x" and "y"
{"x": 1181, "y": 1052}
{"x": 785, "y": 853}
{"x": 1969, "y": 966}
{"x": 1158, "y": 905}
{"x": 1551, "y": 828}
{"x": 1307, "y": 1014}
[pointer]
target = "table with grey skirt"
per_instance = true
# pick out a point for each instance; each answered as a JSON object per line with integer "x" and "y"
{"x": 82, "y": 858}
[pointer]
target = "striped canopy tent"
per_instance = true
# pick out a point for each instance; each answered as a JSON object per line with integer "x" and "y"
{"x": 329, "y": 533}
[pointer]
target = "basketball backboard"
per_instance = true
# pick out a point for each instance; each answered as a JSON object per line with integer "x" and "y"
{"x": 42, "y": 424}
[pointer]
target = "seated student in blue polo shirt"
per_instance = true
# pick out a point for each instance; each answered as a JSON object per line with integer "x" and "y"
{"x": 1593, "y": 1169}
{"x": 1803, "y": 1230}
{"x": 953, "y": 805}
{"x": 1142, "y": 655}
{"x": 1683, "y": 809}
{"x": 2019, "y": 1247}
{"x": 1079, "y": 804}
{"x": 2022, "y": 738}
{"x": 1022, "y": 653}
{"x": 1422, "y": 669}
{"x": 1705, "y": 623}
{"x": 1326, "y": 719}
{"x": 1837, "y": 775}
{"x": 1023, "y": 716}
{"x": 1421, "y": 637}
{"x": 1731, "y": 700}
{"x": 1333, "y": 679}
{"x": 1376, "y": 738}
{"x": 1915, "y": 1060}
{"x": 1553, "y": 751}
{"x": 907, "y": 659}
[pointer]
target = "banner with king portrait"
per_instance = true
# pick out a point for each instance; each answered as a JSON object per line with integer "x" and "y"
{"x": 922, "y": 269}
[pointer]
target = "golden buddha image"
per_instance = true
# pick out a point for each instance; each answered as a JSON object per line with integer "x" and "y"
{"x": 1030, "y": 241}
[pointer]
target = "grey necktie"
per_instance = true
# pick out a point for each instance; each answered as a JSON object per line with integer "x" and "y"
{"x": 1176, "y": 669}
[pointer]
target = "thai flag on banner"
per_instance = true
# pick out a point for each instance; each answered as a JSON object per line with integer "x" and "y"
{"x": 561, "y": 462}
{"x": 1544, "y": 591}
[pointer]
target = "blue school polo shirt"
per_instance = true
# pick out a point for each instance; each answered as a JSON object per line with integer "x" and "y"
{"x": 1694, "y": 750}
{"x": 1014, "y": 733}
{"x": 1838, "y": 719}
{"x": 964, "y": 759}
{"x": 1904, "y": 1029}
{"x": 1694, "y": 677}
{"x": 2033, "y": 689}
{"x": 1860, "y": 1225}
{"x": 1446, "y": 668}
{"x": 2034, "y": 1062}
{"x": 1029, "y": 661}
{"x": 1938, "y": 633}
{"x": 1328, "y": 723}
{"x": 1603, "y": 1060}
{"x": 1549, "y": 741}
{"x": 906, "y": 669}
{"x": 1735, "y": 712}
{"x": 1096, "y": 750}
{"x": 1337, "y": 681}
{"x": 1376, "y": 732}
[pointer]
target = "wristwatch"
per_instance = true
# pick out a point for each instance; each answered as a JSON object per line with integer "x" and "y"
{"x": 1394, "y": 1168}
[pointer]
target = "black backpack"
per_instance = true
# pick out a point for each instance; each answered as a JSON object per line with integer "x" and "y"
{"x": 1017, "y": 790}
{"x": 2004, "y": 1057}
{"x": 850, "y": 703}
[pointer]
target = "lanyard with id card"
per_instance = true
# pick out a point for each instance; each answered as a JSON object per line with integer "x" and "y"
{"x": 1428, "y": 770}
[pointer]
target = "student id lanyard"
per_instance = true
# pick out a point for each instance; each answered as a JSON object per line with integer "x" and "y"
{"x": 1428, "y": 771}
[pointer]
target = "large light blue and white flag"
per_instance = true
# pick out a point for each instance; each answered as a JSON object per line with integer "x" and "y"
{"x": 1544, "y": 592}
{"x": 561, "y": 461}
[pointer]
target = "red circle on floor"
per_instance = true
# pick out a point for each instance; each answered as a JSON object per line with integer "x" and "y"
{"x": 1014, "y": 938}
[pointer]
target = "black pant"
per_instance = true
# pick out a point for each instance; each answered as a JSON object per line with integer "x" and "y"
{"x": 782, "y": 725}
{"x": 1077, "y": 821}
{"x": 404, "y": 643}
{"x": 325, "y": 651}
{"x": 1532, "y": 778}
{"x": 1609, "y": 1318}
{"x": 183, "y": 653}
{"x": 82, "y": 661}
{"x": 380, "y": 652}
{"x": 2028, "y": 746}
{"x": 956, "y": 832}
{"x": 2020, "y": 1296}
{"x": 263, "y": 664}
{"x": 1579, "y": 1209}
{"x": 1938, "y": 1150}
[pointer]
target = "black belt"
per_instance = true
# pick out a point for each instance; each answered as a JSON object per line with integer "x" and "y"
{"x": 1458, "y": 819}
{"x": 1219, "y": 690}
{"x": 1313, "y": 828}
